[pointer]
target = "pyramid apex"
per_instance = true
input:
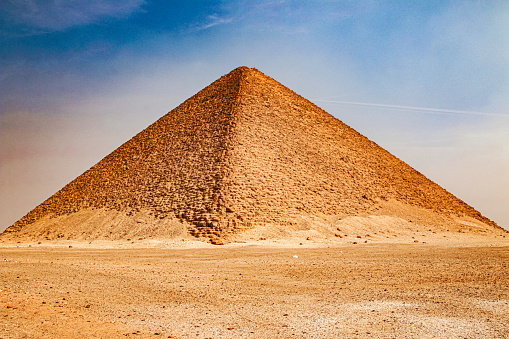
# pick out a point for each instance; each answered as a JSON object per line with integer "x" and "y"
{"x": 245, "y": 70}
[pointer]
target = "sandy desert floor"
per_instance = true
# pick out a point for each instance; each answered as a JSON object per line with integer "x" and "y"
{"x": 260, "y": 289}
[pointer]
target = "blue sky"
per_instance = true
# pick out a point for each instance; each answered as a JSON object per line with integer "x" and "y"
{"x": 427, "y": 80}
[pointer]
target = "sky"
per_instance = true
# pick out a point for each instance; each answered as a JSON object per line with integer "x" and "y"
{"x": 426, "y": 80}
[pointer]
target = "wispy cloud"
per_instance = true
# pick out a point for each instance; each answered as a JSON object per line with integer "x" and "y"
{"x": 287, "y": 19}
{"x": 30, "y": 17}
{"x": 212, "y": 21}
{"x": 414, "y": 108}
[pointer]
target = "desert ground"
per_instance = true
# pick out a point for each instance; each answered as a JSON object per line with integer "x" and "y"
{"x": 182, "y": 288}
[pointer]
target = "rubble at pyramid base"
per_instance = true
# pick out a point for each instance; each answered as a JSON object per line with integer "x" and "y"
{"x": 391, "y": 222}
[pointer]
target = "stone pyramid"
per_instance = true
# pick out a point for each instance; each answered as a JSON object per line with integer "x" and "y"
{"x": 244, "y": 151}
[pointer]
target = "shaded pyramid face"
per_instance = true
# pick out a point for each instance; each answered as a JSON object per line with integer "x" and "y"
{"x": 243, "y": 152}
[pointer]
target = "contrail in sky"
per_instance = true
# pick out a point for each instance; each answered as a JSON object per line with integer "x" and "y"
{"x": 414, "y": 108}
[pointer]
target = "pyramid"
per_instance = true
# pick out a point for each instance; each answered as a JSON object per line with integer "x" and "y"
{"x": 243, "y": 152}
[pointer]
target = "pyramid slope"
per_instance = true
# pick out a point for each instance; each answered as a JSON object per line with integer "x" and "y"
{"x": 171, "y": 169}
{"x": 243, "y": 152}
{"x": 301, "y": 160}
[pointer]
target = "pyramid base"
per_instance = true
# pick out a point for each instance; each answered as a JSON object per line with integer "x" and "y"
{"x": 389, "y": 221}
{"x": 91, "y": 224}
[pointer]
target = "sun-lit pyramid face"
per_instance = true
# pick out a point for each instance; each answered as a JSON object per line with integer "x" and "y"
{"x": 243, "y": 152}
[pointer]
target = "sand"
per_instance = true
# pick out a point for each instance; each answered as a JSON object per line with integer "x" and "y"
{"x": 180, "y": 288}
